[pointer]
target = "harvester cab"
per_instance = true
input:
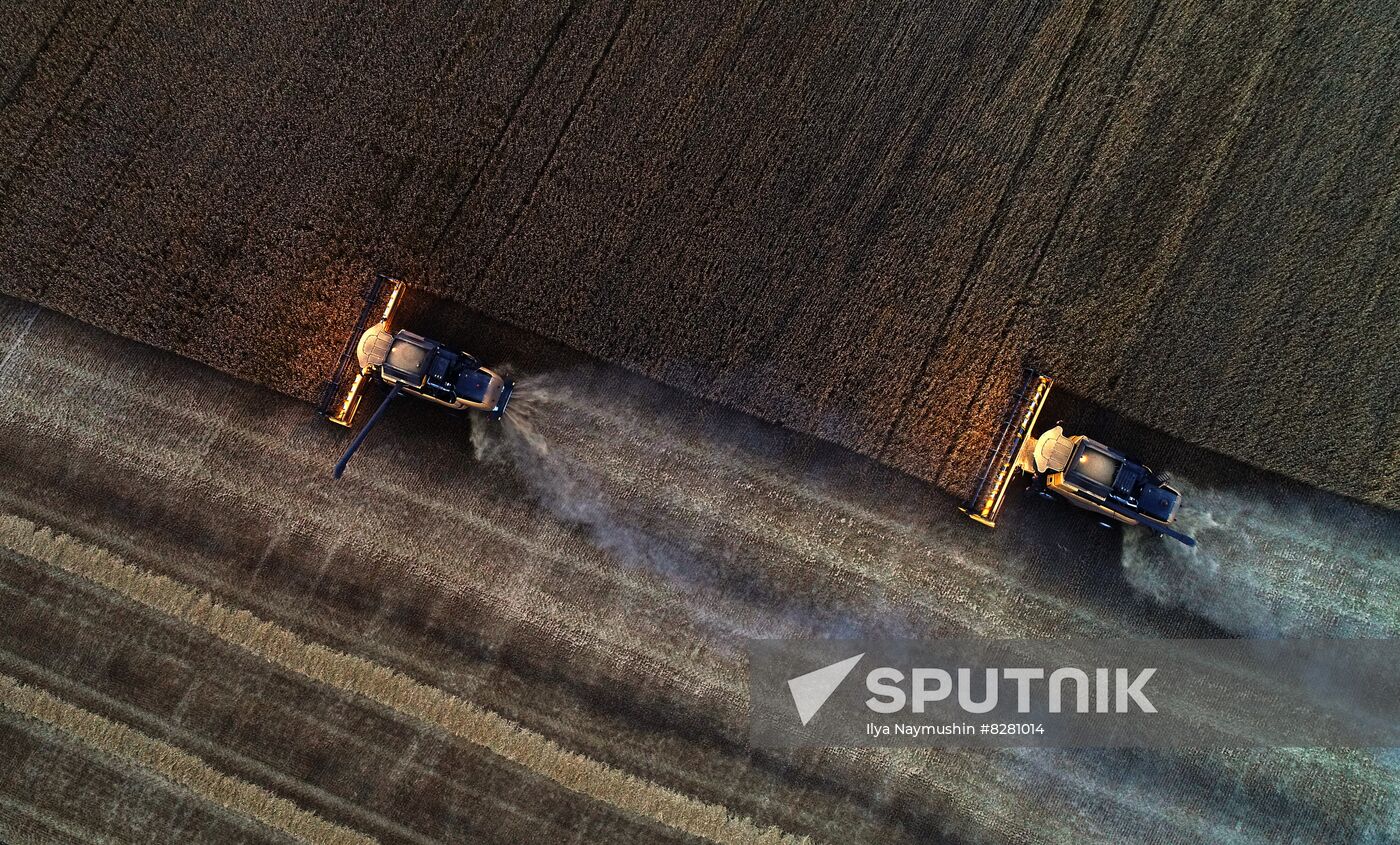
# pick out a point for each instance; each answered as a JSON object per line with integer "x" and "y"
{"x": 1084, "y": 472}
{"x": 405, "y": 362}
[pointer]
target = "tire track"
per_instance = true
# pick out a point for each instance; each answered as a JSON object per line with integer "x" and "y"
{"x": 98, "y": 50}
{"x": 528, "y": 198}
{"x": 504, "y": 131}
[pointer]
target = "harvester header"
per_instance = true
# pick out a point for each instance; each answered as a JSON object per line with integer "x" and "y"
{"x": 990, "y": 495}
{"x": 340, "y": 398}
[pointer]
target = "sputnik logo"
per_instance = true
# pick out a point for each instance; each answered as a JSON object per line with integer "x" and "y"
{"x": 810, "y": 691}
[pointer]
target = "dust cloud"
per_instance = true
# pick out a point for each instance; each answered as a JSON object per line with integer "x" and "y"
{"x": 576, "y": 439}
{"x": 1276, "y": 563}
{"x": 1282, "y": 561}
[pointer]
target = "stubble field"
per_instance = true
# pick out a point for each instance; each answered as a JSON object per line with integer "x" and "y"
{"x": 533, "y": 633}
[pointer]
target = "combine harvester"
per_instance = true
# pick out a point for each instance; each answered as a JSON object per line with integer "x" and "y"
{"x": 1085, "y": 472}
{"x": 406, "y": 363}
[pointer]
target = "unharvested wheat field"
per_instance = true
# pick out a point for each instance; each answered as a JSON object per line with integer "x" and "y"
{"x": 858, "y": 220}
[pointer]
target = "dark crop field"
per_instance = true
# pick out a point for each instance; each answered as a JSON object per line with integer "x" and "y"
{"x": 856, "y": 219}
{"x": 534, "y": 633}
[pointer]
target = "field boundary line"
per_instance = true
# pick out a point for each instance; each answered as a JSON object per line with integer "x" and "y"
{"x": 175, "y": 765}
{"x": 389, "y": 688}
